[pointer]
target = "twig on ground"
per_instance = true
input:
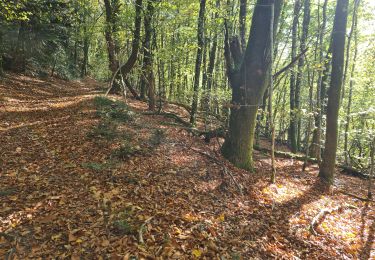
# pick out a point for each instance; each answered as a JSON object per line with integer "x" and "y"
{"x": 225, "y": 169}
{"x": 140, "y": 231}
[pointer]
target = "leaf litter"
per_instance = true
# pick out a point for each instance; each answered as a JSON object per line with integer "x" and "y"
{"x": 142, "y": 192}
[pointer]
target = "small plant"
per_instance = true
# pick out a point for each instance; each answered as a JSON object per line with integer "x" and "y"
{"x": 157, "y": 138}
{"x": 106, "y": 130}
{"x": 8, "y": 192}
{"x": 125, "y": 151}
{"x": 123, "y": 227}
{"x": 95, "y": 166}
{"x": 122, "y": 115}
{"x": 124, "y": 223}
{"x": 101, "y": 102}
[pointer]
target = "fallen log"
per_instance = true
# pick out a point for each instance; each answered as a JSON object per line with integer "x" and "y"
{"x": 345, "y": 169}
{"x": 352, "y": 171}
{"x": 289, "y": 155}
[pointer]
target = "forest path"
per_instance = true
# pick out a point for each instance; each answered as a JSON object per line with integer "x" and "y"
{"x": 75, "y": 184}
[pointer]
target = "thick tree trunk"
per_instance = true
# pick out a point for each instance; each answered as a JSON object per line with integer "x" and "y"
{"x": 242, "y": 21}
{"x": 327, "y": 168}
{"x": 248, "y": 86}
{"x": 198, "y": 61}
{"x": 111, "y": 48}
{"x": 147, "y": 77}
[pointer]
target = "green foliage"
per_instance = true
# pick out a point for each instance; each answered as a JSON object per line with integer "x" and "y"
{"x": 101, "y": 102}
{"x": 95, "y": 166}
{"x": 125, "y": 151}
{"x": 123, "y": 227}
{"x": 124, "y": 222}
{"x": 104, "y": 129}
{"x": 114, "y": 110}
{"x": 7, "y": 192}
{"x": 157, "y": 137}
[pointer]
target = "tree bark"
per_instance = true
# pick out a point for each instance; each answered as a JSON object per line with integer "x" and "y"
{"x": 248, "y": 86}
{"x": 198, "y": 61}
{"x": 301, "y": 64}
{"x": 351, "y": 82}
{"x": 111, "y": 48}
{"x": 147, "y": 76}
{"x": 126, "y": 67}
{"x": 293, "y": 122}
{"x": 242, "y": 21}
{"x": 315, "y": 147}
{"x": 327, "y": 167}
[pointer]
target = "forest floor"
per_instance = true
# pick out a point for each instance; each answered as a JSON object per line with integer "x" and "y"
{"x": 85, "y": 178}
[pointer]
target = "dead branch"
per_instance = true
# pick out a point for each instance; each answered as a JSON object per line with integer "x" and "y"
{"x": 208, "y": 135}
{"x": 170, "y": 115}
{"x": 225, "y": 169}
{"x": 290, "y": 64}
{"x": 324, "y": 212}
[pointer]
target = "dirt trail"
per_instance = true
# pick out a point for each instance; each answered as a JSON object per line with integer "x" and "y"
{"x": 64, "y": 193}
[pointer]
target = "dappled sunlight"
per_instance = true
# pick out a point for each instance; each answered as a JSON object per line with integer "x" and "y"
{"x": 146, "y": 183}
{"x": 45, "y": 105}
{"x": 39, "y": 122}
{"x": 183, "y": 159}
{"x": 17, "y": 218}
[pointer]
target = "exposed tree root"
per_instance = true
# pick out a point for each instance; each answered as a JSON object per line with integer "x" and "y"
{"x": 324, "y": 212}
{"x": 355, "y": 196}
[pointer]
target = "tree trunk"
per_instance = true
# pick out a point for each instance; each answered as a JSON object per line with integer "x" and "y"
{"x": 242, "y": 21}
{"x": 372, "y": 154}
{"x": 85, "y": 54}
{"x": 270, "y": 100}
{"x": 315, "y": 147}
{"x": 350, "y": 36}
{"x": 248, "y": 86}
{"x": 293, "y": 122}
{"x": 327, "y": 168}
{"x": 301, "y": 63}
{"x": 1, "y": 52}
{"x": 111, "y": 48}
{"x": 210, "y": 68}
{"x": 147, "y": 76}
{"x": 351, "y": 84}
{"x": 125, "y": 68}
{"x": 198, "y": 61}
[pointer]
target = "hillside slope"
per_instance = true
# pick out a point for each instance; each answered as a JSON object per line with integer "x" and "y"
{"x": 85, "y": 176}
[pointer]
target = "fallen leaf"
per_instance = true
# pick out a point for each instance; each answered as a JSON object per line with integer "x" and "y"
{"x": 196, "y": 252}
